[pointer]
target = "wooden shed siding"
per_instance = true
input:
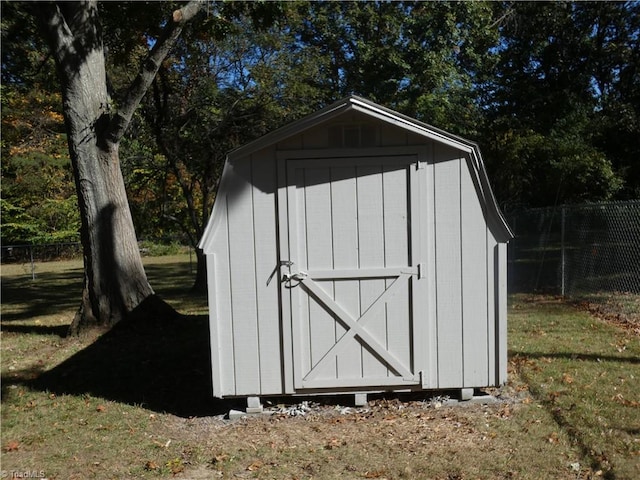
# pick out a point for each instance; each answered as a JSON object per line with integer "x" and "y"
{"x": 501, "y": 306}
{"x": 266, "y": 258}
{"x": 350, "y": 214}
{"x": 396, "y": 253}
{"x": 243, "y": 284}
{"x": 465, "y": 289}
{"x": 491, "y": 296}
{"x": 344, "y": 218}
{"x": 430, "y": 360}
{"x": 214, "y": 331}
{"x": 474, "y": 281}
{"x": 221, "y": 321}
{"x": 246, "y": 318}
{"x": 448, "y": 268}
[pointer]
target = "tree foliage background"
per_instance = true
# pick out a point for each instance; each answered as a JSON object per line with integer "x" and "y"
{"x": 549, "y": 90}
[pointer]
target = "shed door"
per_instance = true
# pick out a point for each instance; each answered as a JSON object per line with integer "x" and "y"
{"x": 351, "y": 270}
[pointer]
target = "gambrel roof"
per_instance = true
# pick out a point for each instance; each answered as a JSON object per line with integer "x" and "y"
{"x": 354, "y": 103}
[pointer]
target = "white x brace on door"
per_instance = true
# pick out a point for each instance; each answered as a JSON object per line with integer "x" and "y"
{"x": 350, "y": 253}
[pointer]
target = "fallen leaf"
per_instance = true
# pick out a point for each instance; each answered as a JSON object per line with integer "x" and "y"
{"x": 151, "y": 465}
{"x": 220, "y": 458}
{"x": 375, "y": 474}
{"x": 333, "y": 443}
{"x": 255, "y": 466}
{"x": 623, "y": 401}
{"x": 12, "y": 446}
{"x": 100, "y": 408}
{"x": 566, "y": 378}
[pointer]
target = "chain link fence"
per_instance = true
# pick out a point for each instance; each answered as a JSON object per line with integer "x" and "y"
{"x": 28, "y": 255}
{"x": 576, "y": 250}
{"x": 40, "y": 253}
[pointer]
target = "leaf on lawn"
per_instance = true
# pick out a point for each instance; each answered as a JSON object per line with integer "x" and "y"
{"x": 566, "y": 378}
{"x": 333, "y": 443}
{"x": 100, "y": 408}
{"x": 375, "y": 474}
{"x": 12, "y": 446}
{"x": 220, "y": 458}
{"x": 255, "y": 466}
{"x": 151, "y": 465}
{"x": 553, "y": 438}
{"x": 623, "y": 401}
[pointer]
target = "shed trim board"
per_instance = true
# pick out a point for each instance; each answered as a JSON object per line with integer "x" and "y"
{"x": 361, "y": 268}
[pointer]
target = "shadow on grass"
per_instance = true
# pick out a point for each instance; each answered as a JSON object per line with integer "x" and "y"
{"x": 59, "y": 330}
{"x": 24, "y": 298}
{"x": 585, "y": 357}
{"x": 159, "y": 364}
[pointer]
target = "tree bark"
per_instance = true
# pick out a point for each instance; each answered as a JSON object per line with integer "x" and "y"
{"x": 200, "y": 282}
{"x": 115, "y": 283}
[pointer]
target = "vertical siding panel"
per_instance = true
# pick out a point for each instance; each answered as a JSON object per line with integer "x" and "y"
{"x": 214, "y": 334}
{"x": 299, "y": 299}
{"x": 448, "y": 267}
{"x": 501, "y": 307}
{"x": 427, "y": 197}
{"x": 320, "y": 257}
{"x": 491, "y": 308}
{"x": 396, "y": 235}
{"x": 264, "y": 220}
{"x": 285, "y": 254}
{"x": 243, "y": 282}
{"x": 220, "y": 312}
{"x": 371, "y": 241}
{"x": 474, "y": 282}
{"x": 345, "y": 255}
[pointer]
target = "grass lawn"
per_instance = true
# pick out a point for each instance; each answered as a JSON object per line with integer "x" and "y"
{"x": 134, "y": 402}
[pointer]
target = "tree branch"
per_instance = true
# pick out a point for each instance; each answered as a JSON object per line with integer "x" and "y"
{"x": 149, "y": 68}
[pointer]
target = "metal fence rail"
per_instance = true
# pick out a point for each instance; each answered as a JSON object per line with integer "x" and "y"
{"x": 576, "y": 249}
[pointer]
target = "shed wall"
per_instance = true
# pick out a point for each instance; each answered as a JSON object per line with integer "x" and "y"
{"x": 464, "y": 256}
{"x": 244, "y": 309}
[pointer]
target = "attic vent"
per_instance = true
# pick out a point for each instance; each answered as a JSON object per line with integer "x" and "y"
{"x": 352, "y": 136}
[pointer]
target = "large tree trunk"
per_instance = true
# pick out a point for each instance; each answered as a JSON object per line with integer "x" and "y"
{"x": 200, "y": 283}
{"x": 115, "y": 281}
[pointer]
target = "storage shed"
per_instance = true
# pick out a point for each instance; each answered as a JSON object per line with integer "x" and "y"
{"x": 356, "y": 250}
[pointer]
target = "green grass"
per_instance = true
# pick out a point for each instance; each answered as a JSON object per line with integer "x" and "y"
{"x": 586, "y": 374}
{"x": 135, "y": 402}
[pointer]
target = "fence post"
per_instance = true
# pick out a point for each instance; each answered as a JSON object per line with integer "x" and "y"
{"x": 562, "y": 250}
{"x": 33, "y": 267}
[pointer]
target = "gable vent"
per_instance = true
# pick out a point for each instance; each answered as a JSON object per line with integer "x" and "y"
{"x": 353, "y": 136}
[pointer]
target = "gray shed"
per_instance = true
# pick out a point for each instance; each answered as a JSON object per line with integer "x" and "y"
{"x": 356, "y": 250}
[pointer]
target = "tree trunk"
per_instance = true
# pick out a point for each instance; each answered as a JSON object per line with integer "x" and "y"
{"x": 115, "y": 283}
{"x": 200, "y": 283}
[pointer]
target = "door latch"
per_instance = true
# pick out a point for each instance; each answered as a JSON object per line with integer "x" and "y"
{"x": 298, "y": 276}
{"x": 281, "y": 263}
